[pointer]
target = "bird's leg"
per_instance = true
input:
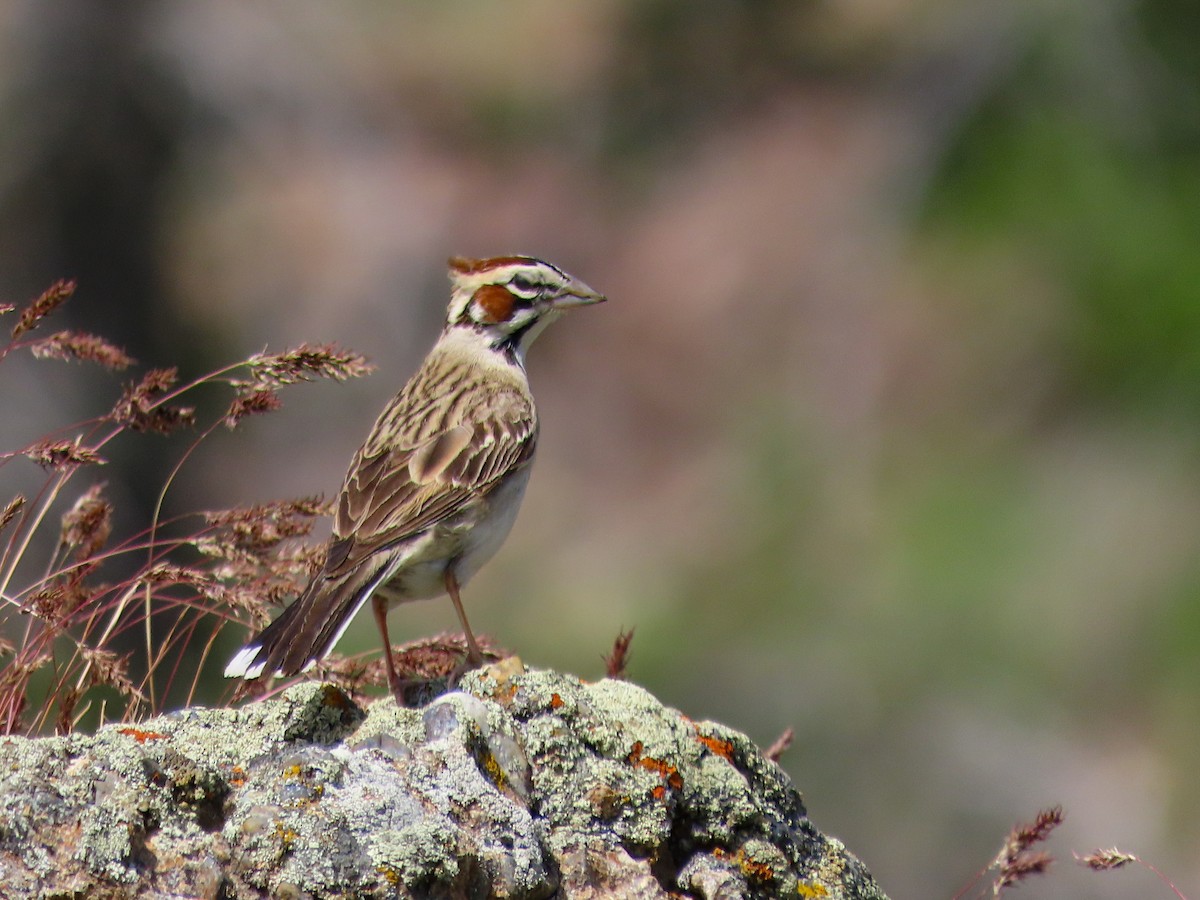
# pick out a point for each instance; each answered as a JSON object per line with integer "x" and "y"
{"x": 380, "y": 607}
{"x": 474, "y": 654}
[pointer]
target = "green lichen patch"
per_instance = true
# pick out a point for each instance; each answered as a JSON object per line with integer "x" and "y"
{"x": 531, "y": 785}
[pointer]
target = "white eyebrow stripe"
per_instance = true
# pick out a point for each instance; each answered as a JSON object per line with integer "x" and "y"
{"x": 535, "y": 272}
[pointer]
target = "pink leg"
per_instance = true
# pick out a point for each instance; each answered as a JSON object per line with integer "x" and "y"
{"x": 379, "y": 607}
{"x": 474, "y": 654}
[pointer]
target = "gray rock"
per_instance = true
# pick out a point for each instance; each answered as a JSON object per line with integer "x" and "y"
{"x": 534, "y": 786}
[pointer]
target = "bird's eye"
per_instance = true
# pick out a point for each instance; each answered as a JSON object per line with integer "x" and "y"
{"x": 523, "y": 284}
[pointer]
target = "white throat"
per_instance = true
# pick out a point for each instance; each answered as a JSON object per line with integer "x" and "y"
{"x": 478, "y": 348}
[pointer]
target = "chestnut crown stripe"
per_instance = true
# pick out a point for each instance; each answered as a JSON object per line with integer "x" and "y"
{"x": 465, "y": 266}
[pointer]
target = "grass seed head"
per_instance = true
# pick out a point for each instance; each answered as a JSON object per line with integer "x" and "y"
{"x": 87, "y": 525}
{"x": 305, "y": 363}
{"x": 61, "y": 454}
{"x": 76, "y": 345}
{"x": 51, "y": 298}
{"x": 141, "y": 407}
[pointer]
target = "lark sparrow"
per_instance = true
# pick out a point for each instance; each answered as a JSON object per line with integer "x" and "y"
{"x": 432, "y": 494}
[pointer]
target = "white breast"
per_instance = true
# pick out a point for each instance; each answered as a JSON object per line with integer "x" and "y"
{"x": 420, "y": 572}
{"x": 482, "y": 542}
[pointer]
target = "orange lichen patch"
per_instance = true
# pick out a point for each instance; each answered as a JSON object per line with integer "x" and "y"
{"x": 812, "y": 890}
{"x": 717, "y": 746}
{"x": 556, "y": 701}
{"x": 664, "y": 769}
{"x": 667, "y": 772}
{"x": 496, "y": 303}
{"x": 659, "y": 792}
{"x": 142, "y": 736}
{"x": 237, "y": 776}
{"x": 467, "y": 266}
{"x": 754, "y": 870}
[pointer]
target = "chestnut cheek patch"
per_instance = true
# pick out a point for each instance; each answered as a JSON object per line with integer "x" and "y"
{"x": 495, "y": 302}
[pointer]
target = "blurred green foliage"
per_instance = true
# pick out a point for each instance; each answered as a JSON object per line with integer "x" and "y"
{"x": 1086, "y": 159}
{"x": 1083, "y": 162}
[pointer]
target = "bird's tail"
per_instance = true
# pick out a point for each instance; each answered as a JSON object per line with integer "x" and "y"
{"x": 306, "y": 631}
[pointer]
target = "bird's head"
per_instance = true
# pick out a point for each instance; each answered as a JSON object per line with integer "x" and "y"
{"x": 510, "y": 299}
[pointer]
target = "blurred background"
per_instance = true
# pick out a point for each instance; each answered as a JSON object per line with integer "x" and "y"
{"x": 890, "y": 432}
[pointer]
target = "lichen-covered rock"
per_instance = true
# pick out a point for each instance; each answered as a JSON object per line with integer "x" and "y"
{"x": 533, "y": 786}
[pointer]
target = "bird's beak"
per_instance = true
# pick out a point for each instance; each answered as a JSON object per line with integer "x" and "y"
{"x": 576, "y": 294}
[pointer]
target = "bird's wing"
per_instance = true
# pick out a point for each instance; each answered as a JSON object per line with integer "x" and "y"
{"x": 404, "y": 481}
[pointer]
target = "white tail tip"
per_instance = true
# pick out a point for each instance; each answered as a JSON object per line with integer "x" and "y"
{"x": 243, "y": 664}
